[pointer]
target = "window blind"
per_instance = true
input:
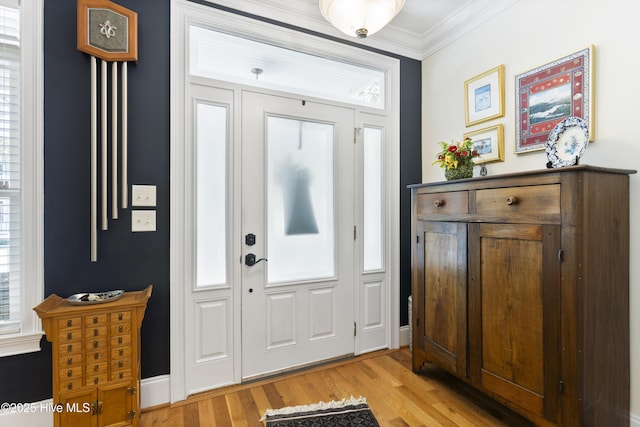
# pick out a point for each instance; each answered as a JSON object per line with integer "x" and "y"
{"x": 10, "y": 189}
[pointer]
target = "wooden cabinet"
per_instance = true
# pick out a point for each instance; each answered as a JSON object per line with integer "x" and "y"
{"x": 96, "y": 359}
{"x": 521, "y": 288}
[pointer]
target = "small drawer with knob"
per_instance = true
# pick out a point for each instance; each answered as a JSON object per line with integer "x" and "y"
{"x": 121, "y": 375}
{"x": 66, "y": 361}
{"x": 93, "y": 320}
{"x": 448, "y": 203}
{"x": 119, "y": 340}
{"x": 538, "y": 203}
{"x": 69, "y": 323}
{"x": 120, "y": 316}
{"x": 70, "y": 373}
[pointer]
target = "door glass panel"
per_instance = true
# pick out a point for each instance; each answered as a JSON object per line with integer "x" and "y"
{"x": 211, "y": 154}
{"x": 300, "y": 206}
{"x": 372, "y": 199}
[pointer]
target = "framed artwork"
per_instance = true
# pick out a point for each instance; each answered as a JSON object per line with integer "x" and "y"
{"x": 484, "y": 96}
{"x": 550, "y": 93}
{"x": 489, "y": 143}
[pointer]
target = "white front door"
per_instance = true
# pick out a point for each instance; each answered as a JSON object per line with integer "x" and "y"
{"x": 298, "y": 250}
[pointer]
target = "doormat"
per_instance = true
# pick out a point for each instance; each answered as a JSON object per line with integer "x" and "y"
{"x": 346, "y": 412}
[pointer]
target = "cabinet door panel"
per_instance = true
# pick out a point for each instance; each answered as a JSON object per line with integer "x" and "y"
{"x": 77, "y": 409}
{"x": 116, "y": 404}
{"x": 442, "y": 294}
{"x": 514, "y": 313}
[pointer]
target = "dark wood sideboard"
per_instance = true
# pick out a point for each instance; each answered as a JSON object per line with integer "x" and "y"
{"x": 521, "y": 288}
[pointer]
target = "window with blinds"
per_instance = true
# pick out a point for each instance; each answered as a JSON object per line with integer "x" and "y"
{"x": 10, "y": 188}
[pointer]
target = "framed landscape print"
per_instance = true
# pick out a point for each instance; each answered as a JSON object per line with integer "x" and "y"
{"x": 550, "y": 93}
{"x": 484, "y": 96}
{"x": 489, "y": 143}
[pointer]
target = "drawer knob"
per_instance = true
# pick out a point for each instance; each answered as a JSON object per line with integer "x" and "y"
{"x": 120, "y": 363}
{"x": 95, "y": 319}
{"x": 69, "y": 348}
{"x": 69, "y": 323}
{"x": 120, "y": 316}
{"x": 438, "y": 203}
{"x": 69, "y": 336}
{"x": 95, "y": 332}
{"x": 95, "y": 344}
{"x": 69, "y": 386}
{"x": 96, "y": 380}
{"x": 70, "y": 361}
{"x": 69, "y": 373}
{"x": 512, "y": 200}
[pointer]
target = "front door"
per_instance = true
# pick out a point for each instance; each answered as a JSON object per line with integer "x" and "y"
{"x": 298, "y": 233}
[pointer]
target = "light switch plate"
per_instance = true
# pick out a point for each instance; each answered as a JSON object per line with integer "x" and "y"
{"x": 143, "y": 221}
{"x": 143, "y": 195}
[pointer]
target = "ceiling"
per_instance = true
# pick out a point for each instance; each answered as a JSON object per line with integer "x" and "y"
{"x": 419, "y": 30}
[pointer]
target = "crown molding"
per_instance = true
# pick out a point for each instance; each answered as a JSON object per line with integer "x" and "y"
{"x": 392, "y": 39}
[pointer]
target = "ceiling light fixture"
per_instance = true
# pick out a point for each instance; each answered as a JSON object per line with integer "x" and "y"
{"x": 360, "y": 18}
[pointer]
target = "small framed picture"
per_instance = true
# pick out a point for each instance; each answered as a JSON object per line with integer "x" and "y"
{"x": 548, "y": 94}
{"x": 484, "y": 96}
{"x": 489, "y": 143}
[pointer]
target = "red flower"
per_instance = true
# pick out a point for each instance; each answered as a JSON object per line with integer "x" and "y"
{"x": 465, "y": 153}
{"x": 452, "y": 148}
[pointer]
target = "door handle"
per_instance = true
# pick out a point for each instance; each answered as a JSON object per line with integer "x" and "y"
{"x": 250, "y": 260}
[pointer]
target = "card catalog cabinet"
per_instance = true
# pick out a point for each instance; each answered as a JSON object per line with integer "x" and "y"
{"x": 96, "y": 359}
{"x": 521, "y": 288}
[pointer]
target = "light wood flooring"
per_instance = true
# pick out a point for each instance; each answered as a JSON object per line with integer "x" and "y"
{"x": 396, "y": 395}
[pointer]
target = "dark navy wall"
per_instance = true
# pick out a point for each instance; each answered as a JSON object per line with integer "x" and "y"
{"x": 128, "y": 260}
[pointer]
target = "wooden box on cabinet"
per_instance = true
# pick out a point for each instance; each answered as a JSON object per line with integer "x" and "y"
{"x": 521, "y": 288}
{"x": 96, "y": 359}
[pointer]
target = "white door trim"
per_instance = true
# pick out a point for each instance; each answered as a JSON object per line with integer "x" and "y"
{"x": 183, "y": 13}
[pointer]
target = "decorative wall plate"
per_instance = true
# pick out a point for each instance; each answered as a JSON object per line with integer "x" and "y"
{"x": 567, "y": 142}
{"x": 107, "y": 30}
{"x": 95, "y": 298}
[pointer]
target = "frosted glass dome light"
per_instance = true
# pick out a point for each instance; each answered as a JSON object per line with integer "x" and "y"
{"x": 360, "y": 18}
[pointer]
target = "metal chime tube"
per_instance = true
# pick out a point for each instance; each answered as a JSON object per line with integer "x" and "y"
{"x": 94, "y": 160}
{"x": 114, "y": 140}
{"x": 103, "y": 82}
{"x": 125, "y": 195}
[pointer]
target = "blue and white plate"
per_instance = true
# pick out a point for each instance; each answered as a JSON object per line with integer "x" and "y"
{"x": 567, "y": 142}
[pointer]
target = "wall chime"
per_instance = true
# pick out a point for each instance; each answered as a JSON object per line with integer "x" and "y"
{"x": 107, "y": 32}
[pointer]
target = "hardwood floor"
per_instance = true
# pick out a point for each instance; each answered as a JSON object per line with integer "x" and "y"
{"x": 396, "y": 395}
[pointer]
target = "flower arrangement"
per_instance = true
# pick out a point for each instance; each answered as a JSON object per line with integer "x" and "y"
{"x": 457, "y": 159}
{"x": 455, "y": 155}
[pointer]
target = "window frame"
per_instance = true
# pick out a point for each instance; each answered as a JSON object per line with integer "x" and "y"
{"x": 32, "y": 180}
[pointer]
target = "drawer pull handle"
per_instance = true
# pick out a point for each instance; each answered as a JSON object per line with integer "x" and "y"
{"x": 69, "y": 373}
{"x": 95, "y": 319}
{"x": 69, "y": 323}
{"x": 95, "y": 380}
{"x": 121, "y": 351}
{"x": 69, "y": 348}
{"x": 119, "y": 316}
{"x": 119, "y": 340}
{"x": 121, "y": 375}
{"x": 438, "y": 203}
{"x": 95, "y": 332}
{"x": 69, "y": 336}
{"x": 70, "y": 361}
{"x": 120, "y": 328}
{"x": 96, "y": 356}
{"x": 512, "y": 200}
{"x": 95, "y": 344}
{"x": 96, "y": 368}
{"x": 120, "y": 364}
{"x": 70, "y": 386}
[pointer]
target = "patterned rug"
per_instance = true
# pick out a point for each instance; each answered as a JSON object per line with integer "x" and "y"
{"x": 344, "y": 413}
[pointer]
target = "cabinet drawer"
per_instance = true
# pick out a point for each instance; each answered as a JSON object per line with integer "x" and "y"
{"x": 121, "y": 375}
{"x": 70, "y": 385}
{"x": 65, "y": 349}
{"x": 70, "y": 360}
{"x": 95, "y": 320}
{"x": 97, "y": 368}
{"x": 97, "y": 344}
{"x": 120, "y": 316}
{"x": 68, "y": 323}
{"x": 120, "y": 340}
{"x": 97, "y": 379}
{"x": 95, "y": 332}
{"x": 456, "y": 202}
{"x": 121, "y": 328}
{"x": 70, "y": 335}
{"x": 122, "y": 352}
{"x": 538, "y": 203}
{"x": 123, "y": 363}
{"x": 96, "y": 356}
{"x": 70, "y": 373}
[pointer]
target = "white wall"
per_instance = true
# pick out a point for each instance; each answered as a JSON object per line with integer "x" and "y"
{"x": 529, "y": 34}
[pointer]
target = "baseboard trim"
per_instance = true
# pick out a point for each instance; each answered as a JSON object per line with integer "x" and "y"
{"x": 155, "y": 391}
{"x": 404, "y": 336}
